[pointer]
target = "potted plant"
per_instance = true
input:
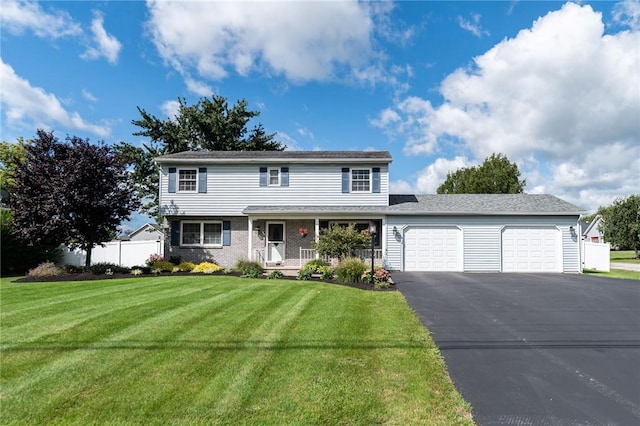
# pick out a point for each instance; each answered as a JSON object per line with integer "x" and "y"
{"x": 303, "y": 232}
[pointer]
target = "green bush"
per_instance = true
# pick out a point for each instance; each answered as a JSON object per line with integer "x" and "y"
{"x": 275, "y": 275}
{"x": 163, "y": 266}
{"x": 46, "y": 269}
{"x": 326, "y": 272}
{"x": 380, "y": 277}
{"x": 206, "y": 268}
{"x": 104, "y": 267}
{"x": 305, "y": 274}
{"x": 249, "y": 268}
{"x": 186, "y": 266}
{"x": 315, "y": 265}
{"x": 350, "y": 270}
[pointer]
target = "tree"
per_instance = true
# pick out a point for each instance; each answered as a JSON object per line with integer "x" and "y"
{"x": 341, "y": 242}
{"x": 11, "y": 155}
{"x": 496, "y": 175}
{"x": 209, "y": 124}
{"x": 71, "y": 193}
{"x": 622, "y": 223}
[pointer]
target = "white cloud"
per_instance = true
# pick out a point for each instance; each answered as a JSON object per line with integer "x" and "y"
{"x": 25, "y": 105}
{"x": 473, "y": 26}
{"x": 303, "y": 131}
{"x": 106, "y": 45}
{"x": 301, "y": 41}
{"x": 89, "y": 96}
{"x": 19, "y": 16}
{"x": 627, "y": 13}
{"x": 431, "y": 177}
{"x": 198, "y": 87}
{"x": 558, "y": 92}
{"x": 170, "y": 108}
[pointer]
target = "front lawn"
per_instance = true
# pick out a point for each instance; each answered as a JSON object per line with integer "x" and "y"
{"x": 217, "y": 350}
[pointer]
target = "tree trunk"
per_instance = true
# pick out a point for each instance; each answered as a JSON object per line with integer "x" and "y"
{"x": 87, "y": 262}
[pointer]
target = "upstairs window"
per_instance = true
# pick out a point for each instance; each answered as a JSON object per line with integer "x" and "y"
{"x": 360, "y": 180}
{"x": 188, "y": 180}
{"x": 274, "y": 177}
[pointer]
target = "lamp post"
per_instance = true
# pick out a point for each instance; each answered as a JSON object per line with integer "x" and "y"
{"x": 372, "y": 231}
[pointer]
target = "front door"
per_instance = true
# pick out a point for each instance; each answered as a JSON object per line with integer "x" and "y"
{"x": 275, "y": 242}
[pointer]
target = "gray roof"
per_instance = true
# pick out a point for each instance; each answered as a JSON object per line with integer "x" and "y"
{"x": 443, "y": 205}
{"x": 275, "y": 156}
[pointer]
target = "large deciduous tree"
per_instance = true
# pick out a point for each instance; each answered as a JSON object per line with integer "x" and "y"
{"x": 11, "y": 155}
{"x": 209, "y": 124}
{"x": 622, "y": 223}
{"x": 72, "y": 193}
{"x": 496, "y": 175}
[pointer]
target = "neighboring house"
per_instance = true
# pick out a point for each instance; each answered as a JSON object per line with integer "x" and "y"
{"x": 591, "y": 232}
{"x": 270, "y": 206}
{"x": 147, "y": 232}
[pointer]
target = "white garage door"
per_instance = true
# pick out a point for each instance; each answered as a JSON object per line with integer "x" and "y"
{"x": 531, "y": 249}
{"x": 433, "y": 249}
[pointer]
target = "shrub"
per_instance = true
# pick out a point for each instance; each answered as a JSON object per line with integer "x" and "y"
{"x": 176, "y": 259}
{"x": 186, "y": 266}
{"x": 136, "y": 272}
{"x": 104, "y": 267}
{"x": 153, "y": 259}
{"x": 162, "y": 266}
{"x": 380, "y": 277}
{"x": 341, "y": 242}
{"x": 206, "y": 268}
{"x": 326, "y": 272}
{"x": 274, "y": 275}
{"x": 144, "y": 270}
{"x": 46, "y": 269}
{"x": 305, "y": 274}
{"x": 315, "y": 265}
{"x": 249, "y": 268}
{"x": 72, "y": 269}
{"x": 350, "y": 270}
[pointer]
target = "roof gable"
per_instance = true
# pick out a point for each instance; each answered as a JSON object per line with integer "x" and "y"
{"x": 277, "y": 156}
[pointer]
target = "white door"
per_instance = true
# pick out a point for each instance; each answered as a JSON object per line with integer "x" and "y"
{"x": 433, "y": 249}
{"x": 531, "y": 249}
{"x": 275, "y": 242}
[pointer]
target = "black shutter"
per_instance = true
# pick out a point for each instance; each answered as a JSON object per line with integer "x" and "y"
{"x": 175, "y": 233}
{"x": 375, "y": 183}
{"x": 202, "y": 180}
{"x": 172, "y": 179}
{"x": 226, "y": 233}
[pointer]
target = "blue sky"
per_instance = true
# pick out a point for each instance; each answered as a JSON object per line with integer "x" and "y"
{"x": 441, "y": 85}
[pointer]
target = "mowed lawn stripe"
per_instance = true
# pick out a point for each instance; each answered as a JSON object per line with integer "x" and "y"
{"x": 227, "y": 350}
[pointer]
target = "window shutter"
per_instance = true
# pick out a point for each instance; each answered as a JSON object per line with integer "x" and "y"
{"x": 175, "y": 233}
{"x": 345, "y": 180}
{"x": 226, "y": 233}
{"x": 375, "y": 184}
{"x": 172, "y": 179}
{"x": 202, "y": 180}
{"x": 284, "y": 176}
{"x": 263, "y": 176}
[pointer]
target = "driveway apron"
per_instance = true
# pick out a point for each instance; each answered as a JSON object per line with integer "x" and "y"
{"x": 535, "y": 349}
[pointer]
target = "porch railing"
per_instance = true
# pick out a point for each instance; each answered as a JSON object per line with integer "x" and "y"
{"x": 365, "y": 254}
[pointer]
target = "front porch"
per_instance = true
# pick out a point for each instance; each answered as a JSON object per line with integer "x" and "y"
{"x": 306, "y": 254}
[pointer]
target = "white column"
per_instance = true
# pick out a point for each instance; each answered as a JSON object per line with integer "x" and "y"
{"x": 383, "y": 241}
{"x": 317, "y": 234}
{"x": 250, "y": 239}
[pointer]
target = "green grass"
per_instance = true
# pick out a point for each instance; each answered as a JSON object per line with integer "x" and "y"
{"x": 615, "y": 273}
{"x": 624, "y": 256}
{"x": 217, "y": 350}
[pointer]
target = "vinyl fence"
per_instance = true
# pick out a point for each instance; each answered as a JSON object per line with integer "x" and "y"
{"x": 595, "y": 256}
{"x": 123, "y": 253}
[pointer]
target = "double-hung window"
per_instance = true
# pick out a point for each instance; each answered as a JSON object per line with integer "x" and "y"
{"x": 360, "y": 180}
{"x": 274, "y": 177}
{"x": 207, "y": 234}
{"x": 188, "y": 180}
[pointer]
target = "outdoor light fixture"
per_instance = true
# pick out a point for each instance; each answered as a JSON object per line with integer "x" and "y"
{"x": 572, "y": 230}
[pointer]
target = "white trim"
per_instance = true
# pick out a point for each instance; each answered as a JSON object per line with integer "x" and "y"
{"x": 460, "y": 236}
{"x": 283, "y": 242}
{"x": 351, "y": 181}
{"x": 277, "y": 169}
{"x": 558, "y": 246}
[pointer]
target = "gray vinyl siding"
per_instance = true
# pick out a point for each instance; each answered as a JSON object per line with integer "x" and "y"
{"x": 482, "y": 236}
{"x": 231, "y": 188}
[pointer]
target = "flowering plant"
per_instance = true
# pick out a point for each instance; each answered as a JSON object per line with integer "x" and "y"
{"x": 303, "y": 231}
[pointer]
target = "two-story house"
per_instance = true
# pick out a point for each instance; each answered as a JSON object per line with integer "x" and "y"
{"x": 270, "y": 206}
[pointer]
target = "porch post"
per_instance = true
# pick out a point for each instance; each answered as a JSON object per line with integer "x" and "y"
{"x": 383, "y": 241}
{"x": 317, "y": 233}
{"x": 250, "y": 239}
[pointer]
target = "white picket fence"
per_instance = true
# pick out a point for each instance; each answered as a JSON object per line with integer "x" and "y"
{"x": 596, "y": 256}
{"x": 123, "y": 253}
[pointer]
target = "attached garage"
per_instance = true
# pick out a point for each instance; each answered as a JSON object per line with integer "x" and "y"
{"x": 531, "y": 249}
{"x": 482, "y": 233}
{"x": 436, "y": 248}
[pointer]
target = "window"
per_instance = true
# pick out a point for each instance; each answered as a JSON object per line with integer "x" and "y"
{"x": 274, "y": 177}
{"x": 360, "y": 180}
{"x": 201, "y": 234}
{"x": 188, "y": 180}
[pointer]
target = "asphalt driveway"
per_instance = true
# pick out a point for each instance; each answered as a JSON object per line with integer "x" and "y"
{"x": 541, "y": 349}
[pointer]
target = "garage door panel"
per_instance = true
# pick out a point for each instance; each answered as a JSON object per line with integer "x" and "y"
{"x": 531, "y": 249}
{"x": 433, "y": 249}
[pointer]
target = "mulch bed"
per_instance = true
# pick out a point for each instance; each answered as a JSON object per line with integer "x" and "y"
{"x": 87, "y": 276}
